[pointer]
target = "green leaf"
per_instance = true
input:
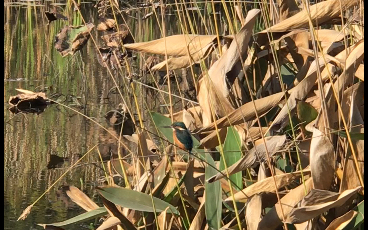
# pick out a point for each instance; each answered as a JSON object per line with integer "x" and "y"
{"x": 306, "y": 112}
{"x": 213, "y": 203}
{"x": 82, "y": 217}
{"x": 288, "y": 76}
{"x": 358, "y": 219}
{"x": 284, "y": 164}
{"x": 232, "y": 154}
{"x": 354, "y": 136}
{"x": 160, "y": 121}
{"x": 135, "y": 200}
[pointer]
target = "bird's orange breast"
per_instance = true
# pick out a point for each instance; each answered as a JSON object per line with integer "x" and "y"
{"x": 177, "y": 142}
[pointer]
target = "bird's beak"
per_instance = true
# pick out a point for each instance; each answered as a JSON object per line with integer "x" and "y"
{"x": 168, "y": 126}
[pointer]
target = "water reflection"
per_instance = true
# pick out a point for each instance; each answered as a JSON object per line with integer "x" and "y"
{"x": 39, "y": 148}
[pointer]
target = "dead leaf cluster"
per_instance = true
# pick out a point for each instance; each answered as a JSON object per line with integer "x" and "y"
{"x": 293, "y": 93}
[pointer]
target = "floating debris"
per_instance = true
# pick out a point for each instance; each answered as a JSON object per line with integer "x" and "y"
{"x": 72, "y": 38}
{"x": 29, "y": 102}
{"x": 106, "y": 24}
{"x": 53, "y": 16}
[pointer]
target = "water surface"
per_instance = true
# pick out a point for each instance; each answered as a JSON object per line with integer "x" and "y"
{"x": 80, "y": 82}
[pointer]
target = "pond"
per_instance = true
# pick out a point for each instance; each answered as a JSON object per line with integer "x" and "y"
{"x": 40, "y": 148}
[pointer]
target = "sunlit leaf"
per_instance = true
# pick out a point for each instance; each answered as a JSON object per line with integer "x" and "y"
{"x": 135, "y": 200}
{"x": 232, "y": 153}
{"x": 213, "y": 203}
{"x": 82, "y": 217}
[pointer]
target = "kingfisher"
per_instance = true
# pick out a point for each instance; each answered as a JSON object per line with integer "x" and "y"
{"x": 182, "y": 137}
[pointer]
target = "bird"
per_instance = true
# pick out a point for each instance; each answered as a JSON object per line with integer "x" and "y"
{"x": 182, "y": 137}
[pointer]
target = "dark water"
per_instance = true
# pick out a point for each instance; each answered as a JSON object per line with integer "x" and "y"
{"x": 80, "y": 82}
{"x": 32, "y": 140}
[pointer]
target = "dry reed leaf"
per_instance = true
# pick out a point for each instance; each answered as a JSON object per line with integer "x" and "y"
{"x": 160, "y": 171}
{"x": 238, "y": 48}
{"x": 173, "y": 63}
{"x": 330, "y": 69}
{"x": 294, "y": 43}
{"x": 253, "y": 212}
{"x": 359, "y": 73}
{"x": 269, "y": 80}
{"x": 109, "y": 223}
{"x": 213, "y": 88}
{"x": 199, "y": 217}
{"x": 311, "y": 53}
{"x": 321, "y": 12}
{"x": 182, "y": 167}
{"x": 106, "y": 24}
{"x": 299, "y": 92}
{"x": 328, "y": 35}
{"x": 191, "y": 202}
{"x": 274, "y": 217}
{"x": 254, "y": 207}
{"x": 156, "y": 191}
{"x": 142, "y": 165}
{"x": 78, "y": 197}
{"x": 210, "y": 100}
{"x": 312, "y": 207}
{"x": 239, "y": 14}
{"x": 152, "y": 147}
{"x": 212, "y": 140}
{"x": 142, "y": 181}
{"x": 353, "y": 61}
{"x": 304, "y": 226}
{"x": 341, "y": 222}
{"x": 224, "y": 183}
{"x": 357, "y": 31}
{"x": 252, "y": 158}
{"x": 322, "y": 162}
{"x": 238, "y": 96}
{"x": 172, "y": 182}
{"x": 188, "y": 120}
{"x": 287, "y": 8}
{"x": 176, "y": 45}
{"x": 262, "y": 172}
{"x": 162, "y": 220}
{"x": 247, "y": 112}
{"x": 352, "y": 97}
{"x": 184, "y": 61}
{"x": 267, "y": 185}
{"x": 195, "y": 112}
{"x": 350, "y": 177}
{"x": 255, "y": 133}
